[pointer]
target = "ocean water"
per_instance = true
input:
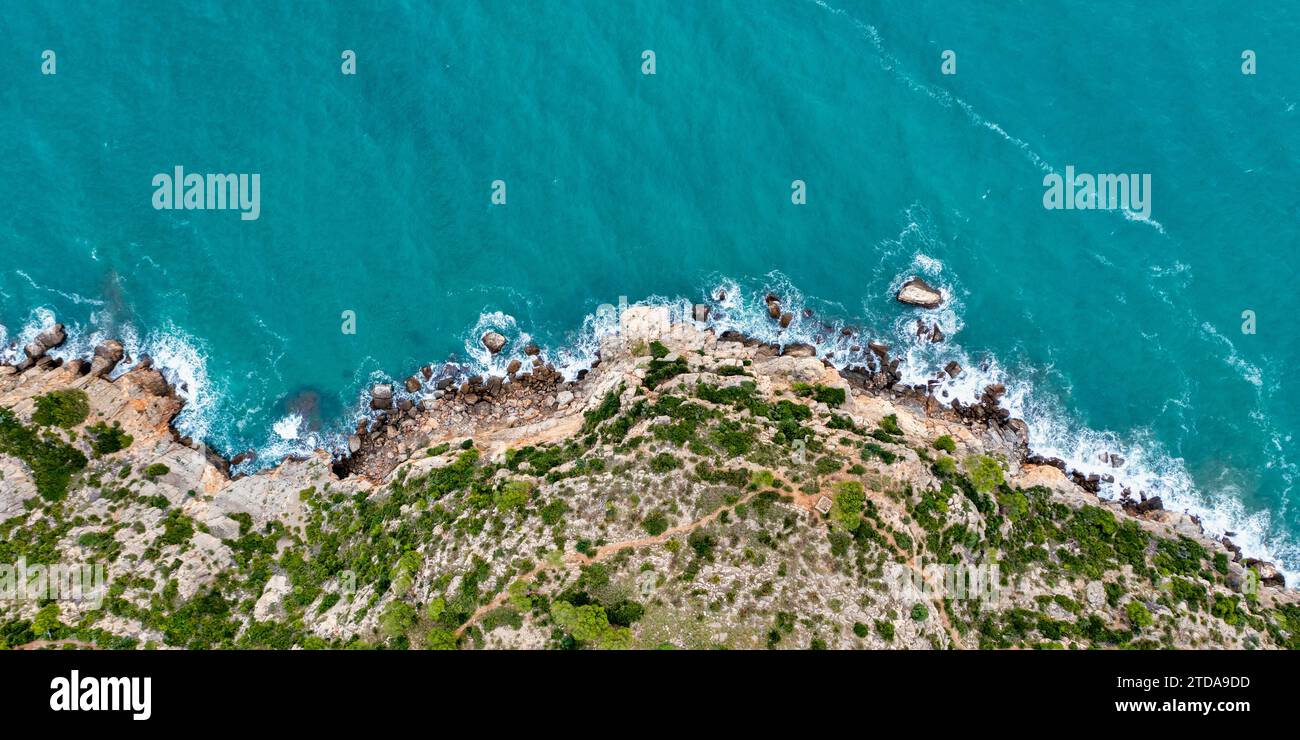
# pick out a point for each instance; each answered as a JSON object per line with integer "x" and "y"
{"x": 1114, "y": 333}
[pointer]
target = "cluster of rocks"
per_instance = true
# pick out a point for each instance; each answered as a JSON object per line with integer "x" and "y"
{"x": 774, "y": 311}
{"x": 44, "y": 342}
{"x": 107, "y": 355}
{"x": 401, "y": 425}
{"x": 928, "y": 332}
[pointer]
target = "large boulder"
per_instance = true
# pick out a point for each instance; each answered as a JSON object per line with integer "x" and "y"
{"x": 917, "y": 292}
{"x": 107, "y": 355}
{"x": 494, "y": 342}
{"x": 381, "y": 396}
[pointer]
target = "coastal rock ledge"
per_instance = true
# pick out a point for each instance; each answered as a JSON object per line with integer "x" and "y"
{"x": 691, "y": 490}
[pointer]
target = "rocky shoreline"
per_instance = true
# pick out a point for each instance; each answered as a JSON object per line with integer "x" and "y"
{"x": 482, "y": 511}
{"x": 456, "y": 402}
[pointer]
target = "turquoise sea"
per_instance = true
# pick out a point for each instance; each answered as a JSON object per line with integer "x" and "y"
{"x": 1113, "y": 333}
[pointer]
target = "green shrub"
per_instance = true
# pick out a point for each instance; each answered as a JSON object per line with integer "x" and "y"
{"x": 946, "y": 443}
{"x": 664, "y": 462}
{"x": 106, "y": 440}
{"x": 850, "y": 499}
{"x": 155, "y": 470}
{"x": 514, "y": 495}
{"x": 919, "y": 612}
{"x": 63, "y": 408}
{"x": 889, "y": 425}
{"x": 1138, "y": 615}
{"x": 655, "y": 524}
{"x": 985, "y": 472}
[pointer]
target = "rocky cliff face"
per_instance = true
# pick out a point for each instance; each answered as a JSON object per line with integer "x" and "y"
{"x": 691, "y": 490}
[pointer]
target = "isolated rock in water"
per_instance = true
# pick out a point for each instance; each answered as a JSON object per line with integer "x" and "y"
{"x": 494, "y": 342}
{"x": 532, "y": 350}
{"x": 107, "y": 355}
{"x": 774, "y": 309}
{"x": 412, "y": 384}
{"x": 953, "y": 369}
{"x": 513, "y": 367}
{"x": 917, "y": 292}
{"x": 786, "y": 318}
{"x": 880, "y": 349}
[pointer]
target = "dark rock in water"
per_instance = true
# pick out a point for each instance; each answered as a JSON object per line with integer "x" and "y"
{"x": 917, "y": 292}
{"x": 1144, "y": 506}
{"x": 774, "y": 309}
{"x": 513, "y": 367}
{"x": 243, "y": 457}
{"x": 494, "y": 341}
{"x": 444, "y": 383}
{"x": 880, "y": 349}
{"x": 786, "y": 318}
{"x": 953, "y": 369}
{"x": 700, "y": 312}
{"x": 936, "y": 334}
{"x": 1089, "y": 483}
{"x": 799, "y": 349}
{"x": 807, "y": 313}
{"x": 427, "y": 371}
{"x": 1055, "y": 462}
{"x": 107, "y": 355}
{"x": 532, "y": 350}
{"x": 412, "y": 384}
{"x": 731, "y": 336}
